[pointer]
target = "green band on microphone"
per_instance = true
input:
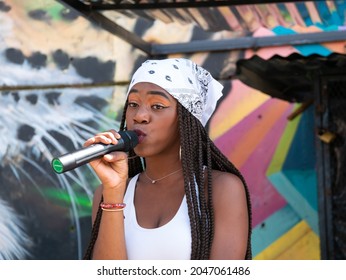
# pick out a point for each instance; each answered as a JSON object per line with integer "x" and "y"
{"x": 57, "y": 166}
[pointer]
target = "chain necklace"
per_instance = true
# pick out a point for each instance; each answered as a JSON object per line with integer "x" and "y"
{"x": 154, "y": 181}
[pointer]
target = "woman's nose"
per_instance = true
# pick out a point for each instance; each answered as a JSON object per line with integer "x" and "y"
{"x": 142, "y": 115}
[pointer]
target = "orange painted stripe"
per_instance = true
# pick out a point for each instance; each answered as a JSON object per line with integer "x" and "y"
{"x": 257, "y": 132}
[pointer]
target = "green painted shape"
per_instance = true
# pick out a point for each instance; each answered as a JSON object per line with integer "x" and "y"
{"x": 282, "y": 149}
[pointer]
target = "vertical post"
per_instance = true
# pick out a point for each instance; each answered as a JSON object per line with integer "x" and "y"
{"x": 323, "y": 169}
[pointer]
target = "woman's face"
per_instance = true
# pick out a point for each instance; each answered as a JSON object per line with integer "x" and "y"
{"x": 152, "y": 113}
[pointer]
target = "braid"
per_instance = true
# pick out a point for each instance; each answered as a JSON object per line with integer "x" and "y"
{"x": 94, "y": 234}
{"x": 210, "y": 198}
{"x": 193, "y": 166}
{"x": 191, "y": 197}
{"x": 204, "y": 209}
{"x": 200, "y": 153}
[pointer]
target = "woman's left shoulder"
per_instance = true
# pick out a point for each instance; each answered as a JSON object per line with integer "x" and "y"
{"x": 231, "y": 216}
{"x": 226, "y": 179}
{"x": 224, "y": 183}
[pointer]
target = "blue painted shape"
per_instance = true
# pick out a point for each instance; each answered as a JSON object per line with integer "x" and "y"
{"x": 304, "y": 13}
{"x": 295, "y": 198}
{"x": 283, "y": 10}
{"x": 328, "y": 28}
{"x": 304, "y": 50}
{"x": 302, "y": 152}
{"x": 340, "y": 9}
{"x": 324, "y": 12}
{"x": 328, "y": 17}
{"x": 272, "y": 228}
{"x": 336, "y": 18}
{"x": 305, "y": 182}
{"x": 300, "y": 163}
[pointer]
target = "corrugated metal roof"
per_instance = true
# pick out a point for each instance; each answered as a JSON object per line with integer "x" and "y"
{"x": 289, "y": 78}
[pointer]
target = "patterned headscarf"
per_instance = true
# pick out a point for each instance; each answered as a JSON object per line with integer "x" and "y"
{"x": 190, "y": 84}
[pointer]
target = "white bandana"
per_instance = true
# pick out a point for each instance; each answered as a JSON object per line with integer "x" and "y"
{"x": 190, "y": 84}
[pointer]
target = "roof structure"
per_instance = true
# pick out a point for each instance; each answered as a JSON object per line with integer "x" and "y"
{"x": 237, "y": 22}
{"x": 289, "y": 78}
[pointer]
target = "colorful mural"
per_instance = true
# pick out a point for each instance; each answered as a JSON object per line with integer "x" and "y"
{"x": 63, "y": 79}
{"x": 52, "y": 98}
{"x": 277, "y": 158}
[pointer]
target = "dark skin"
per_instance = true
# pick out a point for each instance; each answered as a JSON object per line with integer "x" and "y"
{"x": 152, "y": 112}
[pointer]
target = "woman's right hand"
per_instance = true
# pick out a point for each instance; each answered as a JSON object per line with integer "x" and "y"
{"x": 112, "y": 168}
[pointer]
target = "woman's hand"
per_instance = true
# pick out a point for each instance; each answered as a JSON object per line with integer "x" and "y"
{"x": 112, "y": 168}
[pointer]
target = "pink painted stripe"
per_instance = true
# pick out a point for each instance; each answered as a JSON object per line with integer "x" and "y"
{"x": 266, "y": 199}
{"x": 234, "y": 137}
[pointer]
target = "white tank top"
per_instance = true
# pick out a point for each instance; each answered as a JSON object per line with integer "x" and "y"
{"x": 171, "y": 241}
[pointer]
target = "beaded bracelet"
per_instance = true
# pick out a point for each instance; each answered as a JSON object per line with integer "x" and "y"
{"x": 112, "y": 207}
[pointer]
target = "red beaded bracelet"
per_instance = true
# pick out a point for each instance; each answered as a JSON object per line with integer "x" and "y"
{"x": 112, "y": 206}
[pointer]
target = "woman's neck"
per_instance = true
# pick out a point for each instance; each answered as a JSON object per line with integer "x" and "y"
{"x": 161, "y": 166}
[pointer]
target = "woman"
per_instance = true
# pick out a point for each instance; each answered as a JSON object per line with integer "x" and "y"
{"x": 175, "y": 196}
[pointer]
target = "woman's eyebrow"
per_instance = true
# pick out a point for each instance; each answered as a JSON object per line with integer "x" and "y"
{"x": 153, "y": 92}
{"x": 133, "y": 90}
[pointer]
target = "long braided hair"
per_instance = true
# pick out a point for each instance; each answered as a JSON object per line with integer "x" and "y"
{"x": 198, "y": 154}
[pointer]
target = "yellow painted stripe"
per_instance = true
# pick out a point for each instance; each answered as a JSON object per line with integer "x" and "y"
{"x": 284, "y": 145}
{"x": 306, "y": 248}
{"x": 239, "y": 103}
{"x": 299, "y": 243}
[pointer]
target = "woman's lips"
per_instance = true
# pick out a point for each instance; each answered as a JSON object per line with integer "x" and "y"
{"x": 141, "y": 135}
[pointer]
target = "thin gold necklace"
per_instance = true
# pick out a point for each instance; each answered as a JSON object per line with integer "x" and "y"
{"x": 154, "y": 181}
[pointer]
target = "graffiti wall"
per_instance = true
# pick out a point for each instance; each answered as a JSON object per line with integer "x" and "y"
{"x": 62, "y": 79}
{"x": 56, "y": 89}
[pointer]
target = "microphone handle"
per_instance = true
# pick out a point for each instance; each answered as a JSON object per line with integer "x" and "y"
{"x": 82, "y": 156}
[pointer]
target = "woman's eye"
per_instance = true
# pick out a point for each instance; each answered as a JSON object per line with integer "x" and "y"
{"x": 157, "y": 107}
{"x": 132, "y": 104}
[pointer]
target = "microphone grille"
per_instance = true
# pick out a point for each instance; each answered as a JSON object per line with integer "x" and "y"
{"x": 130, "y": 139}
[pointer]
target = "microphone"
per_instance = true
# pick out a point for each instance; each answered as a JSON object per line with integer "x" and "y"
{"x": 69, "y": 161}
